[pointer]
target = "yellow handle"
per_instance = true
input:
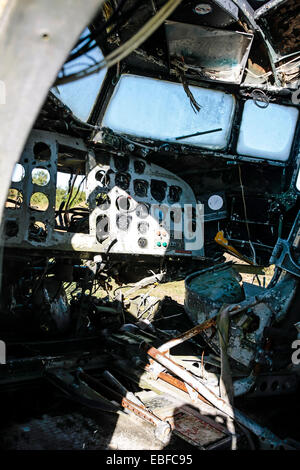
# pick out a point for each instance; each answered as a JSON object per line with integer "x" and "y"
{"x": 221, "y": 240}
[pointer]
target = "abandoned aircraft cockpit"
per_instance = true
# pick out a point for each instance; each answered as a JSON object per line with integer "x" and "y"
{"x": 167, "y": 148}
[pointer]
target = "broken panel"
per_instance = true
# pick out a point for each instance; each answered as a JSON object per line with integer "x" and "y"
{"x": 281, "y": 22}
{"x": 216, "y": 54}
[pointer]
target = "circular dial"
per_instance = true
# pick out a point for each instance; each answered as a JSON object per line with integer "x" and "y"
{"x": 122, "y": 180}
{"x": 143, "y": 227}
{"x": 103, "y": 201}
{"x": 142, "y": 211}
{"x": 123, "y": 222}
{"x": 124, "y": 203}
{"x": 215, "y": 202}
{"x": 142, "y": 242}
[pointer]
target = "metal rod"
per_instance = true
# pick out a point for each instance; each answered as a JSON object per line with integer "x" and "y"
{"x": 198, "y": 133}
{"x": 187, "y": 335}
{"x": 178, "y": 384}
{"x": 234, "y": 309}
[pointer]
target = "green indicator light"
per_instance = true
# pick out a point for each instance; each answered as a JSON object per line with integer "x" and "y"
{"x": 165, "y": 244}
{"x": 158, "y": 244}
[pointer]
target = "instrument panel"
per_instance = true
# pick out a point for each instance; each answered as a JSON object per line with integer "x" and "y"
{"x": 132, "y": 206}
{"x": 140, "y": 206}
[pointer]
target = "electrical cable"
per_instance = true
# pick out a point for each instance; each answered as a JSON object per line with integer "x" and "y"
{"x": 90, "y": 37}
{"x": 66, "y": 211}
{"x": 129, "y": 46}
{"x": 79, "y": 186}
{"x": 245, "y": 212}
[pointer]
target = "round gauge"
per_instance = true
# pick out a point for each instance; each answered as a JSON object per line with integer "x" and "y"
{"x": 142, "y": 211}
{"x": 103, "y": 177}
{"x": 215, "y": 202}
{"x": 174, "y": 193}
{"x": 143, "y": 227}
{"x": 203, "y": 9}
{"x": 140, "y": 188}
{"x": 139, "y": 166}
{"x": 102, "y": 228}
{"x": 142, "y": 242}
{"x": 124, "y": 203}
{"x": 103, "y": 201}
{"x": 123, "y": 222}
{"x": 158, "y": 190}
{"x": 121, "y": 163}
{"x": 122, "y": 180}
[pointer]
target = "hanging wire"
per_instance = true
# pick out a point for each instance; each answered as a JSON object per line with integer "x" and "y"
{"x": 92, "y": 39}
{"x": 129, "y": 46}
{"x": 245, "y": 212}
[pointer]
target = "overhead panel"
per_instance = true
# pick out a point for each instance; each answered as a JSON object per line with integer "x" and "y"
{"x": 215, "y": 54}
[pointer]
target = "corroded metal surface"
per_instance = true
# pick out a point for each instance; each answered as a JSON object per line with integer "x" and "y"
{"x": 207, "y": 290}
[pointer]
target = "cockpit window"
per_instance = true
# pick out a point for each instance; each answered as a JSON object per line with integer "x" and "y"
{"x": 298, "y": 181}
{"x": 80, "y": 95}
{"x": 157, "y": 109}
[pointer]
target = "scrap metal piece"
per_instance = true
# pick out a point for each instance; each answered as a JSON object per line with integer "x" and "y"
{"x": 207, "y": 290}
{"x": 170, "y": 379}
{"x": 241, "y": 386}
{"x": 132, "y": 403}
{"x": 186, "y": 421}
{"x": 77, "y": 388}
{"x": 80, "y": 391}
{"x": 283, "y": 258}
{"x": 282, "y": 254}
{"x": 162, "y": 428}
{"x": 192, "y": 393}
{"x": 233, "y": 310}
{"x": 146, "y": 282}
{"x": 248, "y": 12}
{"x": 264, "y": 434}
{"x": 226, "y": 385}
{"x": 121, "y": 389}
{"x": 51, "y": 307}
{"x": 246, "y": 335}
{"x": 266, "y": 7}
